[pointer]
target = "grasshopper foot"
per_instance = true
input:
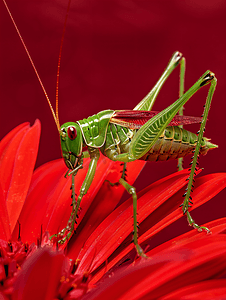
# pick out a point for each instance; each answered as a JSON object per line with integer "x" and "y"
{"x": 66, "y": 238}
{"x": 191, "y": 222}
{"x": 140, "y": 251}
{"x": 59, "y": 234}
{"x": 60, "y": 239}
{"x": 112, "y": 183}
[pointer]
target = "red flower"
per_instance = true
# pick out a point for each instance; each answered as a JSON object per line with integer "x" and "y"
{"x": 89, "y": 265}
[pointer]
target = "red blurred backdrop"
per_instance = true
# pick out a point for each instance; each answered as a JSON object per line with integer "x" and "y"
{"x": 113, "y": 53}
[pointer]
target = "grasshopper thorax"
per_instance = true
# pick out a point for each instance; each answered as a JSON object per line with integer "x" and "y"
{"x": 71, "y": 143}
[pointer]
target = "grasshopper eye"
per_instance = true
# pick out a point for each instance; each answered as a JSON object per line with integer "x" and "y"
{"x": 72, "y": 132}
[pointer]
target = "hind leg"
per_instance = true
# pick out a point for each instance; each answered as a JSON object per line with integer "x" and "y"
{"x": 149, "y": 100}
{"x": 187, "y": 201}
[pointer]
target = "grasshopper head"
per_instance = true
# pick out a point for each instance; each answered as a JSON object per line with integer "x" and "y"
{"x": 71, "y": 143}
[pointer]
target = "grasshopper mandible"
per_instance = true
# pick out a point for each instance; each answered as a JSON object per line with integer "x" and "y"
{"x": 129, "y": 135}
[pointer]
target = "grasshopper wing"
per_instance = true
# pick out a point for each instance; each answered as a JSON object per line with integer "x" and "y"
{"x": 135, "y": 119}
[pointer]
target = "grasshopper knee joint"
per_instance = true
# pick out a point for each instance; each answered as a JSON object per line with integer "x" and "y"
{"x": 132, "y": 191}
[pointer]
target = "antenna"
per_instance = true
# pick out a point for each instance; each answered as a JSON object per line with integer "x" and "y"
{"x": 59, "y": 61}
{"x": 55, "y": 116}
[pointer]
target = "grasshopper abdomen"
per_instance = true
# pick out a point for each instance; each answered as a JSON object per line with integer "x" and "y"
{"x": 176, "y": 142}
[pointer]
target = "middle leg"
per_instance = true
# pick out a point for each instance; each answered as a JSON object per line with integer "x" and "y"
{"x": 132, "y": 191}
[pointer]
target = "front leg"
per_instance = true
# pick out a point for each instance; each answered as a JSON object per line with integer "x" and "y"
{"x": 94, "y": 156}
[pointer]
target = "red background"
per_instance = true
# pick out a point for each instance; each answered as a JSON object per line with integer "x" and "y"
{"x": 113, "y": 53}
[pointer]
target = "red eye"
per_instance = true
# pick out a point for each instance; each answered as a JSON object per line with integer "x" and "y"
{"x": 72, "y": 132}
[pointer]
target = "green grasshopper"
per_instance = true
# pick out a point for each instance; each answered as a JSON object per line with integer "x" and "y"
{"x": 130, "y": 135}
{"x": 137, "y": 134}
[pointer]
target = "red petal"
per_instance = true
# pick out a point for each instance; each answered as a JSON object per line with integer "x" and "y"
{"x": 3, "y": 297}
{"x": 17, "y": 165}
{"x": 5, "y": 232}
{"x": 206, "y": 188}
{"x": 39, "y": 276}
{"x": 117, "y": 283}
{"x": 113, "y": 230}
{"x": 8, "y": 138}
{"x": 22, "y": 172}
{"x": 208, "y": 290}
{"x": 216, "y": 227}
{"x": 152, "y": 279}
{"x": 9, "y": 146}
{"x": 43, "y": 182}
{"x": 207, "y": 260}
